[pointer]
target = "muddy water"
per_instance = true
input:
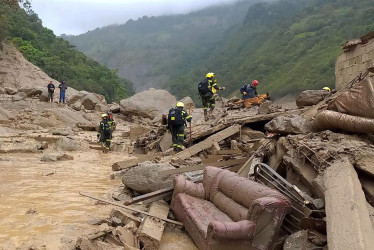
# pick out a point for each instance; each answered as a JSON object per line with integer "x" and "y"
{"x": 40, "y": 205}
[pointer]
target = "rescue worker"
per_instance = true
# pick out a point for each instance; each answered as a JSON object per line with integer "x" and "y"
{"x": 111, "y": 121}
{"x": 207, "y": 88}
{"x": 249, "y": 90}
{"x": 105, "y": 132}
{"x": 176, "y": 122}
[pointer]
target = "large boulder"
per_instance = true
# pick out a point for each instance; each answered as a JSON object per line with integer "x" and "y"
{"x": 145, "y": 177}
{"x": 188, "y": 103}
{"x": 150, "y": 103}
{"x": 86, "y": 100}
{"x": 311, "y": 97}
{"x": 68, "y": 144}
{"x": 31, "y": 91}
{"x": 6, "y": 116}
{"x": 294, "y": 124}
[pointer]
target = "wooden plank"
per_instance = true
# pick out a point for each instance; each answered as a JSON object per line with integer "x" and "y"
{"x": 149, "y": 195}
{"x": 212, "y": 158}
{"x": 248, "y": 167}
{"x": 150, "y": 231}
{"x": 121, "y": 165}
{"x": 201, "y": 167}
{"x": 229, "y": 152}
{"x": 207, "y": 143}
{"x": 216, "y": 146}
{"x": 129, "y": 208}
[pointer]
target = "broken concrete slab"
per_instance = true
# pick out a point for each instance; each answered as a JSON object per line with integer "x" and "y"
{"x": 56, "y": 157}
{"x": 294, "y": 124}
{"x": 166, "y": 142}
{"x": 151, "y": 230}
{"x": 348, "y": 221}
{"x": 121, "y": 165}
{"x": 136, "y": 131}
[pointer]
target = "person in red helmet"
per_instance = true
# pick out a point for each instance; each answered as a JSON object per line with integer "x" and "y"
{"x": 249, "y": 90}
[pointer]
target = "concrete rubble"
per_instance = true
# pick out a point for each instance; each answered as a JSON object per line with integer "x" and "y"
{"x": 330, "y": 172}
{"x": 325, "y": 168}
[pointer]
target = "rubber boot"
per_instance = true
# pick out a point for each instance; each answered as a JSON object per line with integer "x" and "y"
{"x": 211, "y": 113}
{"x": 206, "y": 115}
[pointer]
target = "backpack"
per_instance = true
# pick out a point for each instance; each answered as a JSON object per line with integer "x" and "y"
{"x": 175, "y": 117}
{"x": 203, "y": 87}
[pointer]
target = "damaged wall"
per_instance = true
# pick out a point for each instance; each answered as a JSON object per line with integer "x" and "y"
{"x": 355, "y": 59}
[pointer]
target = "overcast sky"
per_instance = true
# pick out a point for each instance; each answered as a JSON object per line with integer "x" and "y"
{"x": 79, "y": 16}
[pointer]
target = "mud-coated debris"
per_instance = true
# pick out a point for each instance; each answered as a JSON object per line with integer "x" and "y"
{"x": 289, "y": 125}
{"x": 62, "y": 131}
{"x": 56, "y": 157}
{"x": 310, "y": 97}
{"x": 144, "y": 178}
{"x": 31, "y": 211}
{"x": 305, "y": 240}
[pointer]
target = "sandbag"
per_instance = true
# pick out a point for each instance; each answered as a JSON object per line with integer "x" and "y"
{"x": 357, "y": 101}
{"x": 330, "y": 120}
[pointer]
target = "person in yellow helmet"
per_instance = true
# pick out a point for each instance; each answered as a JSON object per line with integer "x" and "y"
{"x": 105, "y": 132}
{"x": 207, "y": 89}
{"x": 176, "y": 122}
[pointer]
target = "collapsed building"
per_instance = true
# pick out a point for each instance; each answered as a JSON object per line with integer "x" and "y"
{"x": 272, "y": 178}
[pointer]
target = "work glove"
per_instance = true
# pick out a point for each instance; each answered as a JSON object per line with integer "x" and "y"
{"x": 244, "y": 93}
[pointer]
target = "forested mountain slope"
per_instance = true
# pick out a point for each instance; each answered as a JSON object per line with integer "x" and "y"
{"x": 288, "y": 45}
{"x": 150, "y": 50}
{"x": 57, "y": 57}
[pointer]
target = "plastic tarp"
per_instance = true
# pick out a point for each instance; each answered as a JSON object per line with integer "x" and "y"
{"x": 357, "y": 101}
{"x": 334, "y": 120}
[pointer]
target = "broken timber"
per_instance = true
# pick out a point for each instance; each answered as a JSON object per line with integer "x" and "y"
{"x": 201, "y": 167}
{"x": 207, "y": 143}
{"x": 348, "y": 220}
{"x": 151, "y": 195}
{"x": 130, "y": 208}
{"x": 151, "y": 230}
{"x": 248, "y": 167}
{"x": 117, "y": 166}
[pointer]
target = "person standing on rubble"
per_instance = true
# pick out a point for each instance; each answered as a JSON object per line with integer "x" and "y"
{"x": 63, "y": 89}
{"x": 249, "y": 90}
{"x": 51, "y": 90}
{"x": 206, "y": 89}
{"x": 176, "y": 122}
{"x": 105, "y": 132}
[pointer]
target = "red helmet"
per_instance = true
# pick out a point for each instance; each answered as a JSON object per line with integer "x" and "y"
{"x": 255, "y": 83}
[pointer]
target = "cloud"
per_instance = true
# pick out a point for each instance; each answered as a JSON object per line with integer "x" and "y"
{"x": 79, "y": 16}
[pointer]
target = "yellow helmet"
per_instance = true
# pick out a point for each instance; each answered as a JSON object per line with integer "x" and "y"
{"x": 104, "y": 115}
{"x": 180, "y": 104}
{"x": 327, "y": 88}
{"x": 210, "y": 75}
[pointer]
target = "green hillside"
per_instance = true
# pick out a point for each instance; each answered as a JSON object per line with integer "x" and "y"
{"x": 151, "y": 49}
{"x": 288, "y": 45}
{"x": 57, "y": 57}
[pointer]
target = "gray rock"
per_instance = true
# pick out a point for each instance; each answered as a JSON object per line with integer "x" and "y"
{"x": 188, "y": 103}
{"x": 10, "y": 91}
{"x": 114, "y": 108}
{"x": 31, "y": 91}
{"x": 62, "y": 131}
{"x": 145, "y": 177}
{"x": 56, "y": 157}
{"x": 66, "y": 144}
{"x": 289, "y": 125}
{"x": 19, "y": 97}
{"x": 310, "y": 97}
{"x": 150, "y": 103}
{"x": 87, "y": 100}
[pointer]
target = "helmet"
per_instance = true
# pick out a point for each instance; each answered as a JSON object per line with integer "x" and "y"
{"x": 104, "y": 116}
{"x": 210, "y": 75}
{"x": 327, "y": 88}
{"x": 255, "y": 82}
{"x": 180, "y": 105}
